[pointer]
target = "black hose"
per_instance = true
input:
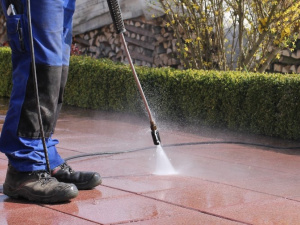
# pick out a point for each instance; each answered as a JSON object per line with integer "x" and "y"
{"x": 36, "y": 91}
{"x": 184, "y": 144}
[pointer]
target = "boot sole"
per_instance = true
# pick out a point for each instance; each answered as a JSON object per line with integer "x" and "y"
{"x": 26, "y": 194}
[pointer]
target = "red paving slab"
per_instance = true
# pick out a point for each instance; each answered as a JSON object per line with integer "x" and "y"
{"x": 122, "y": 209}
{"x": 216, "y": 183}
{"x": 273, "y": 211}
{"x": 18, "y": 212}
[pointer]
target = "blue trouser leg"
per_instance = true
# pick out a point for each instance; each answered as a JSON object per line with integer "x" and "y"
{"x": 52, "y": 33}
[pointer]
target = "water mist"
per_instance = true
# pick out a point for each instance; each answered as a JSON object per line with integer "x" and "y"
{"x": 163, "y": 164}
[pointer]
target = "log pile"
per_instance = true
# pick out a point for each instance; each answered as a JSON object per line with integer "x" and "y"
{"x": 289, "y": 62}
{"x": 3, "y": 37}
{"x": 150, "y": 43}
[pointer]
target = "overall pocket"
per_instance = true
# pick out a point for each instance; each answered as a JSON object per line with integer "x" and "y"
{"x": 15, "y": 33}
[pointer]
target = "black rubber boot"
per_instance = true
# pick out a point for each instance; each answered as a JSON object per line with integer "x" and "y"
{"x": 37, "y": 186}
{"x": 82, "y": 180}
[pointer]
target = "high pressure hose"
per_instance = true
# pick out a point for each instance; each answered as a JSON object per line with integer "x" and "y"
{"x": 36, "y": 91}
{"x": 118, "y": 22}
{"x": 288, "y": 150}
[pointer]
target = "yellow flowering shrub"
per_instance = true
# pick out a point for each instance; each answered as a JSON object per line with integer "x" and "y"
{"x": 232, "y": 34}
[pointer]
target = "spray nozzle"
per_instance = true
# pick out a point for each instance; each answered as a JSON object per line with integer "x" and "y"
{"x": 154, "y": 133}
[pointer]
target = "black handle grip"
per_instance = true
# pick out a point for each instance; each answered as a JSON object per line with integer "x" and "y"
{"x": 116, "y": 15}
{"x": 155, "y": 137}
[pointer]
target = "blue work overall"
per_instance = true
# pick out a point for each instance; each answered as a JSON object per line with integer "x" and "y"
{"x": 52, "y": 36}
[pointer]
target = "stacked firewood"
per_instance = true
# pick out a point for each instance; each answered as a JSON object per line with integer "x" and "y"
{"x": 150, "y": 43}
{"x": 289, "y": 62}
{"x": 3, "y": 36}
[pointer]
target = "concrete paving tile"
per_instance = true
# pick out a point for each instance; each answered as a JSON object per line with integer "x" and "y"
{"x": 279, "y": 185}
{"x": 207, "y": 196}
{"x": 189, "y": 160}
{"x": 216, "y": 134}
{"x": 9, "y": 204}
{"x": 212, "y": 168}
{"x": 114, "y": 129}
{"x": 247, "y": 155}
{"x": 97, "y": 143}
{"x": 120, "y": 209}
{"x": 270, "y": 211}
{"x": 65, "y": 153}
{"x": 97, "y": 194}
{"x": 170, "y": 137}
{"x": 117, "y": 165}
{"x": 253, "y": 177}
{"x": 190, "y": 218}
{"x": 144, "y": 184}
{"x": 294, "y": 197}
{"x": 10, "y": 213}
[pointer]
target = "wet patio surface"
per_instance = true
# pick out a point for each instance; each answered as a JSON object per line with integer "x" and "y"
{"x": 220, "y": 179}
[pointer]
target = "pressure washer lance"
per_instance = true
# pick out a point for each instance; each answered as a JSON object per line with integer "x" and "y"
{"x": 33, "y": 68}
{"x": 118, "y": 22}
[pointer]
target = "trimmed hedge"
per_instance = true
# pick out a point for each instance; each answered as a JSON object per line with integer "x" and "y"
{"x": 5, "y": 72}
{"x": 265, "y": 104}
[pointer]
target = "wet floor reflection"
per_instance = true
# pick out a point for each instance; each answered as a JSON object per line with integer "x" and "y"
{"x": 18, "y": 211}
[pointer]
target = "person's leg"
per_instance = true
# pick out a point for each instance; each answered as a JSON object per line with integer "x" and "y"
{"x": 69, "y": 8}
{"x": 20, "y": 136}
{"x": 64, "y": 173}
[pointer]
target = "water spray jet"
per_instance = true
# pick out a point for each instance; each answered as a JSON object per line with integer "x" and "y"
{"x": 116, "y": 15}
